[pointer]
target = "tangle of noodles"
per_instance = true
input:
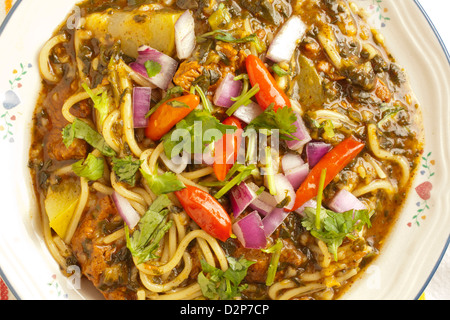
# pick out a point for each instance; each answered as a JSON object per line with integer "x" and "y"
{"x": 76, "y": 99}
{"x": 44, "y": 64}
{"x": 126, "y": 110}
{"x": 385, "y": 155}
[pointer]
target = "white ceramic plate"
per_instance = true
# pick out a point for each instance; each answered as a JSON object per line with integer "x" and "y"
{"x": 412, "y": 252}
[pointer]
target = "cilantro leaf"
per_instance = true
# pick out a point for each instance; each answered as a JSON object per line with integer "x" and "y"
{"x": 220, "y": 285}
{"x": 163, "y": 184}
{"x": 283, "y": 120}
{"x": 153, "y": 68}
{"x": 126, "y": 169}
{"x": 279, "y": 71}
{"x": 335, "y": 227}
{"x": 91, "y": 168}
{"x": 194, "y": 131}
{"x": 150, "y": 230}
{"x": 81, "y": 130}
{"x": 101, "y": 103}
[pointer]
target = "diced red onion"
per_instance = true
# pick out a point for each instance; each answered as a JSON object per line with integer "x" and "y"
{"x": 297, "y": 175}
{"x": 287, "y": 40}
{"x": 250, "y": 231}
{"x": 284, "y": 189}
{"x": 301, "y": 134}
{"x": 241, "y": 197}
{"x": 315, "y": 151}
{"x": 273, "y": 220}
{"x": 178, "y": 163}
{"x": 227, "y": 89}
{"x": 291, "y": 161}
{"x": 141, "y": 105}
{"x": 126, "y": 211}
{"x": 264, "y": 203}
{"x": 345, "y": 201}
{"x": 168, "y": 66}
{"x": 185, "y": 35}
{"x": 249, "y": 112}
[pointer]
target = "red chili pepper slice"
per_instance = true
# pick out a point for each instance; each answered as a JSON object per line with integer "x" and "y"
{"x": 227, "y": 149}
{"x": 167, "y": 116}
{"x": 270, "y": 92}
{"x": 206, "y": 211}
{"x": 335, "y": 161}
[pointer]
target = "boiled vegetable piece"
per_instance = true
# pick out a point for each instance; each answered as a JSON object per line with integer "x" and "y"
{"x": 136, "y": 28}
{"x": 60, "y": 205}
{"x": 308, "y": 85}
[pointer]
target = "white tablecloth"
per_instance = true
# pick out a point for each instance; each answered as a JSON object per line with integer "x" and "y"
{"x": 439, "y": 287}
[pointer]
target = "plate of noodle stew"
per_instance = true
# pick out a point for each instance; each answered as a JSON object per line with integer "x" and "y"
{"x": 225, "y": 150}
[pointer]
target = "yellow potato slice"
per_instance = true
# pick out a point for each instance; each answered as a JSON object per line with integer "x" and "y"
{"x": 136, "y": 28}
{"x": 60, "y": 205}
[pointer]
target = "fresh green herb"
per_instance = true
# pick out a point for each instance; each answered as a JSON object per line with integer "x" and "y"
{"x": 190, "y": 134}
{"x": 323, "y": 176}
{"x": 205, "y": 101}
{"x": 243, "y": 173}
{"x": 126, "y": 169}
{"x": 91, "y": 168}
{"x": 162, "y": 184}
{"x": 101, "y": 103}
{"x": 170, "y": 93}
{"x": 283, "y": 120}
{"x": 150, "y": 230}
{"x": 327, "y": 126}
{"x": 243, "y": 99}
{"x": 335, "y": 227}
{"x": 279, "y": 71}
{"x": 226, "y": 36}
{"x": 275, "y": 250}
{"x": 81, "y": 130}
{"x": 223, "y": 285}
{"x": 153, "y": 68}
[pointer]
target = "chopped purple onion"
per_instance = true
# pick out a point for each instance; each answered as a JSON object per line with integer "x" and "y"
{"x": 250, "y": 231}
{"x": 228, "y": 88}
{"x": 315, "y": 151}
{"x": 141, "y": 105}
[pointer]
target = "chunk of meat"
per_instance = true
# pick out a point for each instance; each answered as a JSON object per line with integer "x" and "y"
{"x": 187, "y": 73}
{"x": 52, "y": 105}
{"x": 257, "y": 272}
{"x": 108, "y": 266}
{"x": 57, "y": 150}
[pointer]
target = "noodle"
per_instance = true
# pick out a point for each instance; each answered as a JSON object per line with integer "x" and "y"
{"x": 385, "y": 155}
{"x": 81, "y": 35}
{"x": 44, "y": 56}
{"x": 76, "y": 99}
{"x": 126, "y": 110}
{"x": 374, "y": 186}
{"x": 108, "y": 133}
{"x": 158, "y": 270}
{"x": 78, "y": 211}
